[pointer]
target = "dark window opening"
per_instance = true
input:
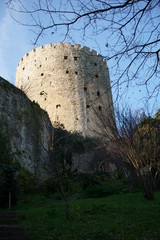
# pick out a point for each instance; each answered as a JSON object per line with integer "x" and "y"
{"x": 46, "y": 59}
{"x": 42, "y": 93}
{"x": 96, "y": 75}
{"x": 42, "y": 74}
{"x": 85, "y": 89}
{"x": 35, "y": 60}
{"x": 98, "y": 93}
{"x": 65, "y": 57}
{"x": 23, "y": 68}
{"x": 76, "y": 72}
{"x": 88, "y": 106}
{"x": 45, "y": 99}
{"x": 27, "y": 54}
{"x": 77, "y": 119}
{"x": 100, "y": 108}
{"x": 75, "y": 58}
{"x": 95, "y": 64}
{"x": 67, "y": 72}
{"x": 58, "y": 105}
{"x": 87, "y": 120}
{"x": 40, "y": 65}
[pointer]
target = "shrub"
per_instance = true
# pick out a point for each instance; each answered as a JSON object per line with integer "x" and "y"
{"x": 104, "y": 187}
{"x": 26, "y": 181}
{"x": 50, "y": 185}
{"x": 98, "y": 191}
{"x": 70, "y": 186}
{"x": 86, "y": 180}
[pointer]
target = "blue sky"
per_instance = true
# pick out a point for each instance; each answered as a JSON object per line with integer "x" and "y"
{"x": 16, "y": 41}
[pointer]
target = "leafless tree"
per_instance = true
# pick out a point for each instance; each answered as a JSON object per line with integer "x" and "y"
{"x": 60, "y": 146}
{"x": 131, "y": 30}
{"x": 135, "y": 139}
{"x": 55, "y": 166}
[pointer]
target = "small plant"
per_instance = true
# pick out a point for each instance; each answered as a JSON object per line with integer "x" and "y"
{"x": 92, "y": 179}
{"x": 50, "y": 185}
{"x": 26, "y": 181}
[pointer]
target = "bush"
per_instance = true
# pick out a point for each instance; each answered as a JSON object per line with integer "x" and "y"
{"x": 98, "y": 191}
{"x": 27, "y": 182}
{"x": 50, "y": 185}
{"x": 86, "y": 180}
{"x": 106, "y": 187}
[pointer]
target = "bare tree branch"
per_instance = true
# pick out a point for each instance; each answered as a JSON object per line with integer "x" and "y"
{"x": 131, "y": 29}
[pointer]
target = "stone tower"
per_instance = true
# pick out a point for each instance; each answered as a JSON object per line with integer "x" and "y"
{"x": 70, "y": 82}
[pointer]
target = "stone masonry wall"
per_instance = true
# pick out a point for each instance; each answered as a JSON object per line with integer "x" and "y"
{"x": 69, "y": 82}
{"x": 27, "y": 128}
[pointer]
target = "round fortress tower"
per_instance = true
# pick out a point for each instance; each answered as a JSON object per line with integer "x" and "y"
{"x": 70, "y": 82}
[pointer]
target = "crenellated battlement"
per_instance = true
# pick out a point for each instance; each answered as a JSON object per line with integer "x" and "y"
{"x": 60, "y": 46}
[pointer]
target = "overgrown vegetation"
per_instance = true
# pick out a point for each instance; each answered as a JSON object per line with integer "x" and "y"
{"x": 135, "y": 139}
{"x": 73, "y": 142}
{"x": 6, "y": 85}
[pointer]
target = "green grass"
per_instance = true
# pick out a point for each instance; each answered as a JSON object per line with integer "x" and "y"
{"x": 122, "y": 216}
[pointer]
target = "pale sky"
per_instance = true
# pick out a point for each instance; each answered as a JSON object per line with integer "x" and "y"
{"x": 14, "y": 43}
{"x": 16, "y": 40}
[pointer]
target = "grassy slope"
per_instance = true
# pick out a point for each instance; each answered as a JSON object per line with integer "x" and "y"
{"x": 123, "y": 216}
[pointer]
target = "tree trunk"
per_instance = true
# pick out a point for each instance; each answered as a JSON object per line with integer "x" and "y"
{"x": 67, "y": 210}
{"x": 9, "y": 201}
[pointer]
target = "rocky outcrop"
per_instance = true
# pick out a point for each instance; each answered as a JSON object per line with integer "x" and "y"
{"x": 27, "y": 127}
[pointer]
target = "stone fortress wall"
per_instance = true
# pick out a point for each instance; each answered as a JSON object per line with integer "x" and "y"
{"x": 70, "y": 82}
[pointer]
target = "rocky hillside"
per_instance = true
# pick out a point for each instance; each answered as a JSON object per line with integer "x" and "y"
{"x": 26, "y": 126}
